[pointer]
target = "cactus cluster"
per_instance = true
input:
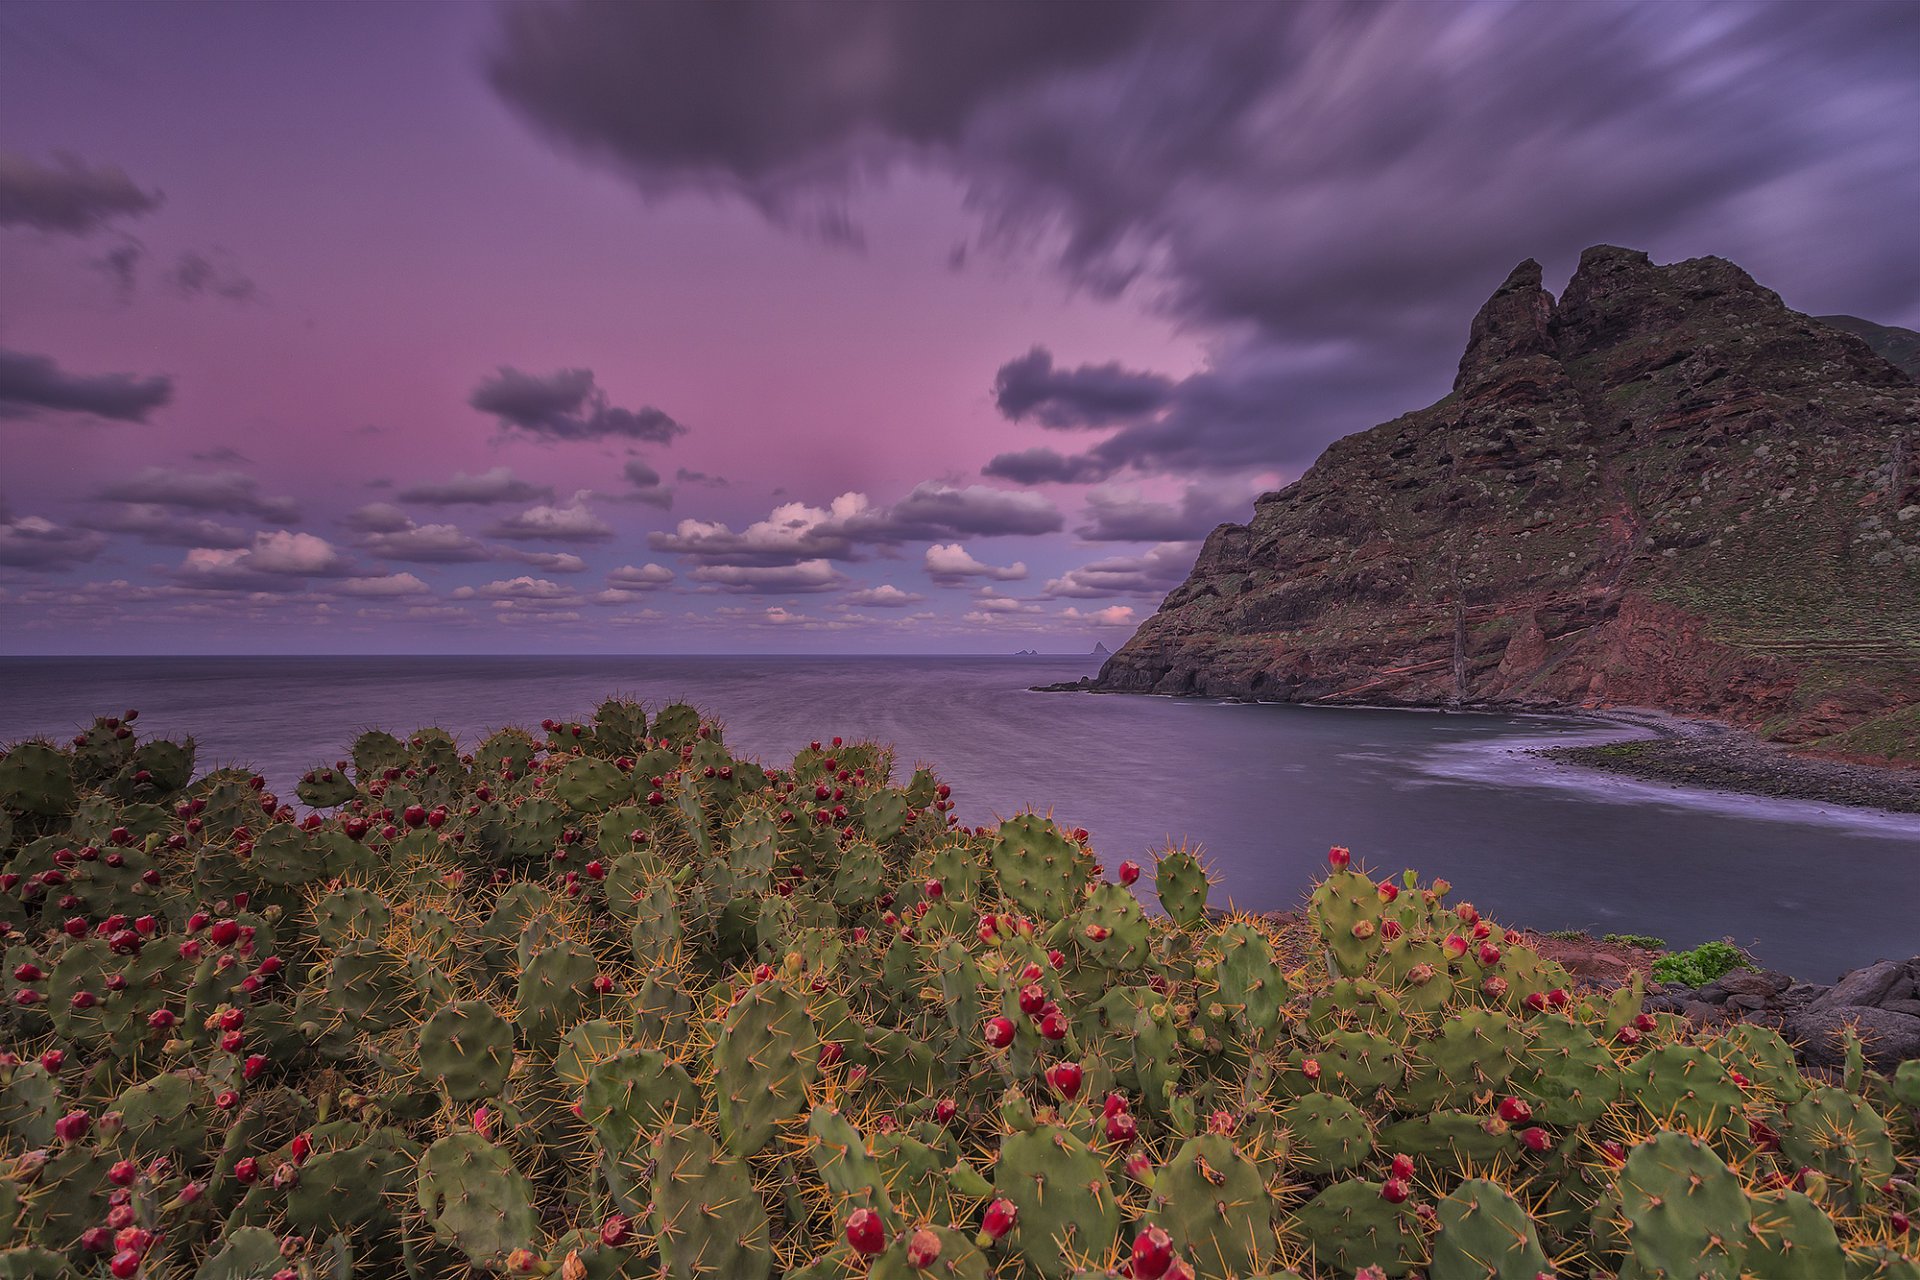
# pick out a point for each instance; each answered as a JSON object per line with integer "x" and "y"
{"x": 609, "y": 1002}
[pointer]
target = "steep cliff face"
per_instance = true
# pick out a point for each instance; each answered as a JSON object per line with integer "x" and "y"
{"x": 1664, "y": 488}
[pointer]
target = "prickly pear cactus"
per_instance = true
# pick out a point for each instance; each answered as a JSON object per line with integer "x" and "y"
{"x": 468, "y": 1048}
{"x": 1485, "y": 1234}
{"x": 609, "y": 1001}
{"x": 475, "y": 1198}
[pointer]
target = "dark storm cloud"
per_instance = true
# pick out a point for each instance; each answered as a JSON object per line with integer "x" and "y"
{"x": 31, "y": 385}
{"x": 566, "y": 405}
{"x": 230, "y": 492}
{"x": 1041, "y": 465}
{"x": 778, "y": 101}
{"x": 1335, "y": 186}
{"x": 496, "y": 485}
{"x": 1260, "y": 404}
{"x": 1090, "y": 396}
{"x": 68, "y": 196}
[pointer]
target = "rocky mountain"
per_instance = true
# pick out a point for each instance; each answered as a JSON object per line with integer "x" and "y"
{"x": 1663, "y": 488}
{"x": 1900, "y": 346}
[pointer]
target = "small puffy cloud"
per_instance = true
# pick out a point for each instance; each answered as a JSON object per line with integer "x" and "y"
{"x": 34, "y": 542}
{"x": 992, "y": 600}
{"x": 1103, "y": 395}
{"x": 535, "y": 616}
{"x": 378, "y": 517}
{"x": 1123, "y": 515}
{"x": 414, "y": 543}
{"x": 643, "y": 577}
{"x": 275, "y": 561}
{"x": 990, "y": 616}
{"x": 496, "y": 485}
{"x": 686, "y": 475}
{"x": 386, "y": 586}
{"x": 936, "y": 510}
{"x": 385, "y": 530}
{"x": 1119, "y": 615}
{"x": 951, "y": 564}
{"x": 32, "y": 385}
{"x": 157, "y": 525}
{"x": 121, "y": 266}
{"x": 884, "y": 596}
{"x": 546, "y": 561}
{"x": 196, "y": 275}
{"x": 646, "y": 485}
{"x": 574, "y": 522}
{"x": 228, "y": 492}
{"x": 283, "y": 551}
{"x": 772, "y": 615}
{"x": 772, "y": 580}
{"x": 793, "y": 532}
{"x": 521, "y": 588}
{"x": 566, "y": 405}
{"x": 1155, "y": 573}
{"x": 68, "y": 196}
{"x": 630, "y": 583}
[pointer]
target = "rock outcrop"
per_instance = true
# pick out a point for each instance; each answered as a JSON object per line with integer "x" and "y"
{"x": 1880, "y": 1003}
{"x": 1900, "y": 346}
{"x": 1664, "y": 488}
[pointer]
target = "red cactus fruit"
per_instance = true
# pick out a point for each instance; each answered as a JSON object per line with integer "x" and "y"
{"x": 1152, "y": 1252}
{"x": 866, "y": 1233}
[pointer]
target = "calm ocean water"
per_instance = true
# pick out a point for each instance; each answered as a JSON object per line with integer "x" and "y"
{"x": 1265, "y": 789}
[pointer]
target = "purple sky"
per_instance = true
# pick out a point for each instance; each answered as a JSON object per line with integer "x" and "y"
{"x": 817, "y": 327}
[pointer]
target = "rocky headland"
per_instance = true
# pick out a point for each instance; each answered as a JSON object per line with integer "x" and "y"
{"x": 1663, "y": 488}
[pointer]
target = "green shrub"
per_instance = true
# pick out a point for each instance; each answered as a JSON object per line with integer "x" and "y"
{"x": 1698, "y": 967}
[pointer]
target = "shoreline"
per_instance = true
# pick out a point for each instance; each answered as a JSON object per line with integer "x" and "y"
{"x": 1681, "y": 751}
{"x": 1710, "y": 755}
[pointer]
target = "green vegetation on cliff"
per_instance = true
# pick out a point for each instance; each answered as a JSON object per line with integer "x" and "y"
{"x": 609, "y": 1001}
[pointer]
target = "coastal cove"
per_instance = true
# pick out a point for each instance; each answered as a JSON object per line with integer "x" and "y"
{"x": 1811, "y": 888}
